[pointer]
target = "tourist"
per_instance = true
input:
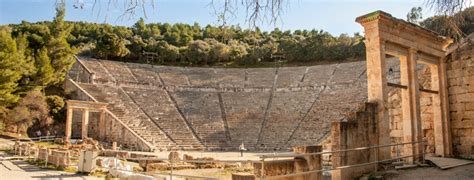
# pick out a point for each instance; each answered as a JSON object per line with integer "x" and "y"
{"x": 242, "y": 149}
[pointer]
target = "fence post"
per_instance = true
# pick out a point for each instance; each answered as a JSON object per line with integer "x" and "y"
{"x": 398, "y": 152}
{"x": 262, "y": 171}
{"x": 376, "y": 149}
{"x": 423, "y": 151}
{"x": 171, "y": 173}
{"x": 46, "y": 161}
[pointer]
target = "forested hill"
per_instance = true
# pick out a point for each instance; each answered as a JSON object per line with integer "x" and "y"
{"x": 196, "y": 45}
{"x": 184, "y": 44}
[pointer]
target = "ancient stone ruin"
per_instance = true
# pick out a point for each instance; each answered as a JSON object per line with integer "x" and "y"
{"x": 413, "y": 87}
{"x": 217, "y": 108}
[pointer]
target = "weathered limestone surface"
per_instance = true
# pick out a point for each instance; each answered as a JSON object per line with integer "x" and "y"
{"x": 291, "y": 166}
{"x": 358, "y": 130}
{"x": 203, "y": 111}
{"x": 460, "y": 71}
{"x": 219, "y": 108}
{"x": 129, "y": 113}
{"x": 159, "y": 106}
{"x": 286, "y": 109}
{"x": 291, "y": 76}
{"x": 244, "y": 115}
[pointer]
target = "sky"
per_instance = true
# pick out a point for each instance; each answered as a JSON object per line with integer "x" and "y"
{"x": 334, "y": 16}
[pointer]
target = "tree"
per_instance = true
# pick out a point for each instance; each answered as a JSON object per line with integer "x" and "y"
{"x": 109, "y": 45}
{"x": 56, "y": 106}
{"x": 219, "y": 52}
{"x": 445, "y": 26}
{"x": 415, "y": 15}
{"x": 44, "y": 71}
{"x": 198, "y": 52}
{"x": 31, "y": 110}
{"x": 9, "y": 66}
{"x": 167, "y": 52}
{"x": 60, "y": 51}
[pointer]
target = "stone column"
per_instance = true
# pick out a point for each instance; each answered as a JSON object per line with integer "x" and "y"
{"x": 67, "y": 133}
{"x": 440, "y": 115}
{"x": 377, "y": 85}
{"x": 85, "y": 123}
{"x": 410, "y": 105}
{"x": 102, "y": 125}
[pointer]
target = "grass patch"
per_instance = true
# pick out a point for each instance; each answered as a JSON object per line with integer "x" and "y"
{"x": 41, "y": 163}
{"x": 70, "y": 169}
{"x": 48, "y": 144}
{"x": 99, "y": 173}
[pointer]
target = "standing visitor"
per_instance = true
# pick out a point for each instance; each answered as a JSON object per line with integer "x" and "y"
{"x": 242, "y": 149}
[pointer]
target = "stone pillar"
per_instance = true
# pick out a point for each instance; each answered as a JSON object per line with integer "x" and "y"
{"x": 67, "y": 133}
{"x": 310, "y": 163}
{"x": 85, "y": 123}
{"x": 410, "y": 105}
{"x": 377, "y": 84}
{"x": 102, "y": 125}
{"x": 440, "y": 109}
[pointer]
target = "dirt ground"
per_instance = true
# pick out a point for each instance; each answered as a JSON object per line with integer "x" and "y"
{"x": 465, "y": 172}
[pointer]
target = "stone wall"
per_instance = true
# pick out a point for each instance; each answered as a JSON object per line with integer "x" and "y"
{"x": 460, "y": 70}
{"x": 358, "y": 130}
{"x": 56, "y": 157}
{"x": 79, "y": 73}
{"x": 292, "y": 166}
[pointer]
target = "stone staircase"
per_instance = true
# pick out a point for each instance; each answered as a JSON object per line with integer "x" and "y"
{"x": 157, "y": 106}
{"x": 130, "y": 114}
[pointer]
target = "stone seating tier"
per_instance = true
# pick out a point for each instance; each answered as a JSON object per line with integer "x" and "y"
{"x": 220, "y": 108}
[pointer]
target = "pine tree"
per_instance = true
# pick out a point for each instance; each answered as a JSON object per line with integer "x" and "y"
{"x": 9, "y": 65}
{"x": 45, "y": 72}
{"x": 60, "y": 52}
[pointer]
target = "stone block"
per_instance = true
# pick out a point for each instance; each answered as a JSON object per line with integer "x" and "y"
{"x": 469, "y": 106}
{"x": 457, "y": 90}
{"x": 243, "y": 176}
{"x": 144, "y": 163}
{"x": 466, "y": 97}
{"x": 174, "y": 156}
{"x": 453, "y": 98}
{"x": 465, "y": 132}
{"x": 462, "y": 124}
{"x": 396, "y": 133}
{"x": 59, "y": 158}
{"x": 43, "y": 153}
{"x": 275, "y": 167}
{"x": 157, "y": 167}
{"x": 464, "y": 150}
{"x": 458, "y": 107}
{"x": 427, "y": 117}
{"x": 454, "y": 82}
{"x": 468, "y": 140}
{"x": 468, "y": 115}
{"x": 427, "y": 125}
{"x": 425, "y": 101}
